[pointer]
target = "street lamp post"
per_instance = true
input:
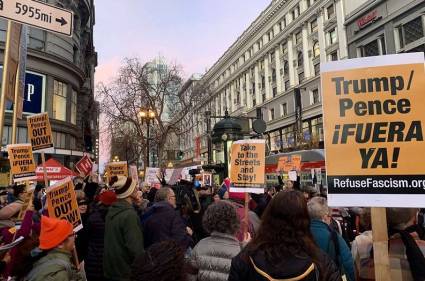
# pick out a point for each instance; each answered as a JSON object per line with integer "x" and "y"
{"x": 146, "y": 115}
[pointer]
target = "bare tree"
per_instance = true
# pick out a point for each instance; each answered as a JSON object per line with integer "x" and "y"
{"x": 144, "y": 86}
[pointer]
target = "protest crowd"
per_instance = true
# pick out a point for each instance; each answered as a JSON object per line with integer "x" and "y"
{"x": 189, "y": 232}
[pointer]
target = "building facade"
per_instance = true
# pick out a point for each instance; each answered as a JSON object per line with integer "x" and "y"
{"x": 386, "y": 27}
{"x": 60, "y": 81}
{"x": 274, "y": 66}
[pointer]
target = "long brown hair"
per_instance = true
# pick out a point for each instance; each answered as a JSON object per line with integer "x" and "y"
{"x": 285, "y": 229}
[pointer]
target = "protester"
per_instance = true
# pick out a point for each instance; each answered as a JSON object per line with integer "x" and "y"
{"x": 284, "y": 246}
{"x": 123, "y": 232}
{"x": 238, "y": 200}
{"x": 406, "y": 249}
{"x": 212, "y": 256}
{"x": 57, "y": 240}
{"x": 161, "y": 222}
{"x": 95, "y": 228}
{"x": 10, "y": 212}
{"x": 327, "y": 238}
{"x": 163, "y": 261}
{"x": 81, "y": 241}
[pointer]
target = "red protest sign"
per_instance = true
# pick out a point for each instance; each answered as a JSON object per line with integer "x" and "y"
{"x": 84, "y": 166}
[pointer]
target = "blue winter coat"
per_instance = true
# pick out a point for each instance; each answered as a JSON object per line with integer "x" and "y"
{"x": 322, "y": 237}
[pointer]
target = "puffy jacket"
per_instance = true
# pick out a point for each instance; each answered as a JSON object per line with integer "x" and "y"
{"x": 161, "y": 222}
{"x": 123, "y": 241}
{"x": 93, "y": 263}
{"x": 322, "y": 236}
{"x": 256, "y": 268}
{"x": 56, "y": 265}
{"x": 212, "y": 256}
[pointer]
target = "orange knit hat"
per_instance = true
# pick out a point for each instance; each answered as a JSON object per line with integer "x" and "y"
{"x": 53, "y": 232}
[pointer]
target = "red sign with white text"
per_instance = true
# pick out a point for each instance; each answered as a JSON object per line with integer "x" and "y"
{"x": 85, "y": 165}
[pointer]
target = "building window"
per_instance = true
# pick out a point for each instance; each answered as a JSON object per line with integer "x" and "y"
{"x": 332, "y": 36}
{"x": 317, "y": 69}
{"x": 59, "y": 140}
{"x": 286, "y": 85}
{"x": 285, "y": 67}
{"x": 313, "y": 26}
{"x": 254, "y": 102}
{"x": 295, "y": 12}
{"x": 308, "y": 3}
{"x": 410, "y": 32}
{"x": 284, "y": 48}
{"x": 298, "y": 38}
{"x": 59, "y": 100}
{"x": 374, "y": 48}
{"x": 330, "y": 11}
{"x": 315, "y": 97}
{"x": 334, "y": 56}
{"x": 316, "y": 49}
{"x": 271, "y": 115}
{"x": 370, "y": 49}
{"x": 263, "y": 96}
{"x": 301, "y": 76}
{"x": 300, "y": 59}
{"x": 274, "y": 92}
{"x": 74, "y": 107}
{"x": 284, "y": 109}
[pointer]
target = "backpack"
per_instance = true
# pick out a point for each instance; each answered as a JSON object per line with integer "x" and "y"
{"x": 333, "y": 240}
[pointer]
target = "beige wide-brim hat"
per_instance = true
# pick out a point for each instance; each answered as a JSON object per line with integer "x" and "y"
{"x": 123, "y": 186}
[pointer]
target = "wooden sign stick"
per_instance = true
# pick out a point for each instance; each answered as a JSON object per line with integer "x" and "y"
{"x": 380, "y": 244}
{"x": 43, "y": 159}
{"x": 246, "y": 219}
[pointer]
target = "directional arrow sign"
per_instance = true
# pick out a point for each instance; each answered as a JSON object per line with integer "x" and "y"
{"x": 38, "y": 14}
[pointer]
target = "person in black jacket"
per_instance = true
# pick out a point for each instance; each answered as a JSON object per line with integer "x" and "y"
{"x": 284, "y": 247}
{"x": 162, "y": 222}
{"x": 93, "y": 263}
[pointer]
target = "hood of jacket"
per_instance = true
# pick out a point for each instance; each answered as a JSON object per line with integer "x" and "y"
{"x": 301, "y": 266}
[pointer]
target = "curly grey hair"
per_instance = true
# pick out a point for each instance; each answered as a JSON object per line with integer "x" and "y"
{"x": 221, "y": 217}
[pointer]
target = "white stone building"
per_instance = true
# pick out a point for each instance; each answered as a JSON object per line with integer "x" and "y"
{"x": 279, "y": 52}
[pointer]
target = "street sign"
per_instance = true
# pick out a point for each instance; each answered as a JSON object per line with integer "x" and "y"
{"x": 38, "y": 14}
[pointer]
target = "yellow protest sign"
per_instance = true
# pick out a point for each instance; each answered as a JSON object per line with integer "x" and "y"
{"x": 248, "y": 165}
{"x": 22, "y": 163}
{"x": 373, "y": 112}
{"x": 117, "y": 169}
{"x": 40, "y": 132}
{"x": 62, "y": 203}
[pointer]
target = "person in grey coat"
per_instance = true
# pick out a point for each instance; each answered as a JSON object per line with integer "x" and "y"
{"x": 212, "y": 256}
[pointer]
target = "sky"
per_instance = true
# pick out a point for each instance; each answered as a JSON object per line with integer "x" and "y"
{"x": 191, "y": 33}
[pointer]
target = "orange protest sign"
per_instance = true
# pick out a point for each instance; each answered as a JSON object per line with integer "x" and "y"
{"x": 117, "y": 169}
{"x": 62, "y": 203}
{"x": 374, "y": 143}
{"x": 248, "y": 165}
{"x": 22, "y": 163}
{"x": 40, "y": 132}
